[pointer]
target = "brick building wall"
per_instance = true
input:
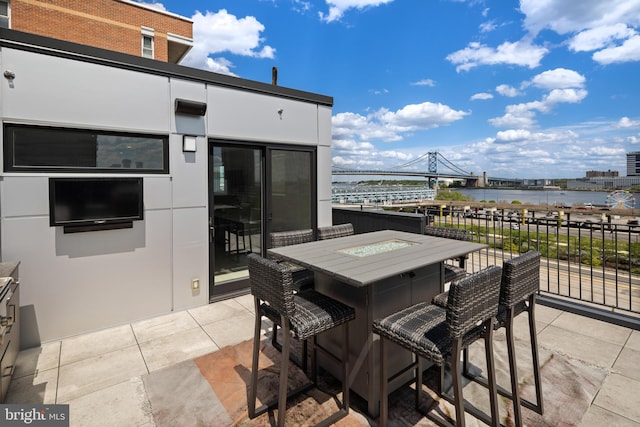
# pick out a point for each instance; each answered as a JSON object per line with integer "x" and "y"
{"x": 107, "y": 24}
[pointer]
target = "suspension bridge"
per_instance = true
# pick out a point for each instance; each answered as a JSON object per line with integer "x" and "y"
{"x": 412, "y": 168}
{"x": 433, "y": 160}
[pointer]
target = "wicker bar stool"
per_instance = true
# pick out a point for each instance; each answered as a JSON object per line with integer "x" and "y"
{"x": 439, "y": 334}
{"x": 334, "y": 231}
{"x": 302, "y": 277}
{"x": 520, "y": 284}
{"x": 304, "y": 314}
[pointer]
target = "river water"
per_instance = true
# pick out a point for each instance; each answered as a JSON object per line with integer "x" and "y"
{"x": 551, "y": 197}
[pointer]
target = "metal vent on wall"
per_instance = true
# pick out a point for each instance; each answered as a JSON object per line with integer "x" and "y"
{"x": 191, "y": 108}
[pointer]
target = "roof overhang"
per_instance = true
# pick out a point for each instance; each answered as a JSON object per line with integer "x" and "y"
{"x": 178, "y": 48}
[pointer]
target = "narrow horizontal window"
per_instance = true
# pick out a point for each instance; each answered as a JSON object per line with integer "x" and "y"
{"x": 45, "y": 149}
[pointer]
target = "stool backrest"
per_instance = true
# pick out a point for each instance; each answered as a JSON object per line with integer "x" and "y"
{"x": 447, "y": 232}
{"x": 271, "y": 283}
{"x": 278, "y": 239}
{"x": 287, "y": 238}
{"x": 520, "y": 278}
{"x": 472, "y": 300}
{"x": 333, "y": 231}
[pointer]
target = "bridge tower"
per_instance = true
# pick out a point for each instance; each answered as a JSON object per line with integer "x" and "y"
{"x": 433, "y": 168}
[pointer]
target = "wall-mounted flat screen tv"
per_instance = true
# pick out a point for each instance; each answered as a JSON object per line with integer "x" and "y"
{"x": 95, "y": 202}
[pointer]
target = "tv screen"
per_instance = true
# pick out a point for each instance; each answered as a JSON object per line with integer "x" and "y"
{"x": 94, "y": 201}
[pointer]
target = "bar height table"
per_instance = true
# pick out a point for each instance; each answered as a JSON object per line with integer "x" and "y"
{"x": 377, "y": 273}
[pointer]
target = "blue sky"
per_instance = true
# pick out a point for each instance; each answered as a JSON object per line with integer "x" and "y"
{"x": 528, "y": 89}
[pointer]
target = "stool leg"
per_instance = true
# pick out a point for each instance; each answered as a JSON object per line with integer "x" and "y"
{"x": 284, "y": 372}
{"x": 513, "y": 369}
{"x": 274, "y": 337}
{"x": 534, "y": 353}
{"x": 384, "y": 398}
{"x": 418, "y": 380}
{"x": 345, "y": 366}
{"x": 457, "y": 381}
{"x": 465, "y": 361}
{"x": 491, "y": 373}
{"x": 253, "y": 390}
{"x": 314, "y": 359}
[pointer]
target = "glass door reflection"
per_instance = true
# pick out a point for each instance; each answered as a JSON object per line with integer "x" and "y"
{"x": 235, "y": 213}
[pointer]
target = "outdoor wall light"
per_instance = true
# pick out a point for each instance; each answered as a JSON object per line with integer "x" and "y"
{"x": 189, "y": 143}
{"x": 280, "y": 111}
{"x": 9, "y": 75}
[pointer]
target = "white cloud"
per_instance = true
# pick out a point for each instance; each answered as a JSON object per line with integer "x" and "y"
{"x": 337, "y": 8}
{"x": 563, "y": 85}
{"x": 600, "y": 37}
{"x": 523, "y": 115}
{"x": 506, "y": 90}
{"x": 565, "y": 17}
{"x": 421, "y": 116}
{"x": 352, "y": 147}
{"x": 566, "y": 151}
{"x": 301, "y": 6}
{"x": 215, "y": 33}
{"x": 519, "y": 53}
{"x": 353, "y": 154}
{"x": 153, "y": 5}
{"x": 424, "y": 82}
{"x": 626, "y": 122}
{"x": 481, "y": 96}
{"x": 569, "y": 96}
{"x": 519, "y": 115}
{"x": 607, "y": 27}
{"x": 397, "y": 155}
{"x": 559, "y": 78}
{"x": 487, "y": 27}
{"x": 513, "y": 135}
{"x": 628, "y": 51}
{"x": 219, "y": 65}
{"x": 385, "y": 125}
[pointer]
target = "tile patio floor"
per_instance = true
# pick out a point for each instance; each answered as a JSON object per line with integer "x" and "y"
{"x": 99, "y": 374}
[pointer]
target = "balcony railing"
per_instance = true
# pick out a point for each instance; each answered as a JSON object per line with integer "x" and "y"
{"x": 592, "y": 262}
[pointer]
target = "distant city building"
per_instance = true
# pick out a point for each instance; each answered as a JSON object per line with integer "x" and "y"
{"x": 602, "y": 183}
{"x": 537, "y": 183}
{"x": 633, "y": 163}
{"x": 605, "y": 174}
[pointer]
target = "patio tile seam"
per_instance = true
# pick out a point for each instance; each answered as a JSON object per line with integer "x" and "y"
{"x": 613, "y": 411}
{"x": 572, "y": 357}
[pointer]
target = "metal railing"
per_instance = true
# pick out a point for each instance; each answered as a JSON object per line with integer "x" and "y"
{"x": 593, "y": 262}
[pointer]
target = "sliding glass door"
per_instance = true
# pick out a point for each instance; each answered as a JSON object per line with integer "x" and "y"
{"x": 292, "y": 190}
{"x": 253, "y": 190}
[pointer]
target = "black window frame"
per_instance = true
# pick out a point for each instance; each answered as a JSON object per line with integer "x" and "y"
{"x": 9, "y": 152}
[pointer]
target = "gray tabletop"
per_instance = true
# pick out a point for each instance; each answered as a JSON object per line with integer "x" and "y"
{"x": 363, "y": 259}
